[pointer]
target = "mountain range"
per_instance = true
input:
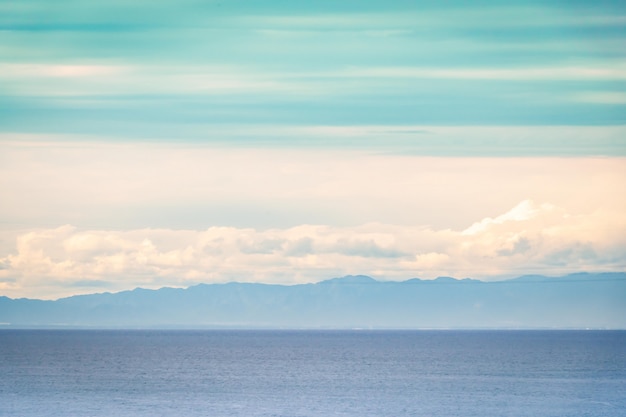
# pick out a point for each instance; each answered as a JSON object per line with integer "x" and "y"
{"x": 581, "y": 300}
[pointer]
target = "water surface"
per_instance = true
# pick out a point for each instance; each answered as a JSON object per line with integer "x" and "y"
{"x": 312, "y": 373}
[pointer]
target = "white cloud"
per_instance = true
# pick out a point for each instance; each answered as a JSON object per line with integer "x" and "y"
{"x": 601, "y": 97}
{"x": 27, "y": 70}
{"x": 529, "y": 238}
{"x": 615, "y": 72}
{"x": 85, "y": 80}
{"x": 111, "y": 79}
{"x": 525, "y": 210}
{"x": 496, "y": 17}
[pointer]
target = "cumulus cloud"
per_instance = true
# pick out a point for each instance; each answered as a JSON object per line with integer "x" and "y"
{"x": 530, "y": 238}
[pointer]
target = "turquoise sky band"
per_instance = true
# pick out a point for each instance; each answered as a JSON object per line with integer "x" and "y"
{"x": 179, "y": 72}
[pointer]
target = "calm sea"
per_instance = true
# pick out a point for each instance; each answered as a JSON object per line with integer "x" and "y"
{"x": 312, "y": 373}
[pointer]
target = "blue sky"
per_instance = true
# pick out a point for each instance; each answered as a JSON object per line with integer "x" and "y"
{"x": 350, "y": 130}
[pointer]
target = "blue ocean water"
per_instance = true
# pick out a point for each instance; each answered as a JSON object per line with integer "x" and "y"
{"x": 312, "y": 373}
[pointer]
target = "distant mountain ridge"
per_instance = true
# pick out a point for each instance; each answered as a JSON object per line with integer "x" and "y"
{"x": 579, "y": 300}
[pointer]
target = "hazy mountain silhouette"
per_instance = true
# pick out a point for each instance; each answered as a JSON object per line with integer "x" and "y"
{"x": 572, "y": 301}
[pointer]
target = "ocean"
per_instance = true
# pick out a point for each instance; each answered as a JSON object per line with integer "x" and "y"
{"x": 312, "y": 373}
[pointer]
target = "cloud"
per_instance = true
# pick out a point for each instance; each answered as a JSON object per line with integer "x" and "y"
{"x": 75, "y": 71}
{"x": 525, "y": 210}
{"x": 100, "y": 82}
{"x": 616, "y": 72}
{"x": 15, "y": 70}
{"x": 530, "y": 238}
{"x": 601, "y": 97}
{"x": 111, "y": 80}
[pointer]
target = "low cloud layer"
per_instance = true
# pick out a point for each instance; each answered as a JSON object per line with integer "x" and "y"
{"x": 530, "y": 238}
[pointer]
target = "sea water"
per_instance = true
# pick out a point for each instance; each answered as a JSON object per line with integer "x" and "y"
{"x": 312, "y": 373}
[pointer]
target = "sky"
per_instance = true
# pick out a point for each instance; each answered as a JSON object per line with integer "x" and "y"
{"x": 169, "y": 143}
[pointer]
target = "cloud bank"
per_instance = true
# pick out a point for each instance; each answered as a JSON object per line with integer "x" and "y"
{"x": 530, "y": 238}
